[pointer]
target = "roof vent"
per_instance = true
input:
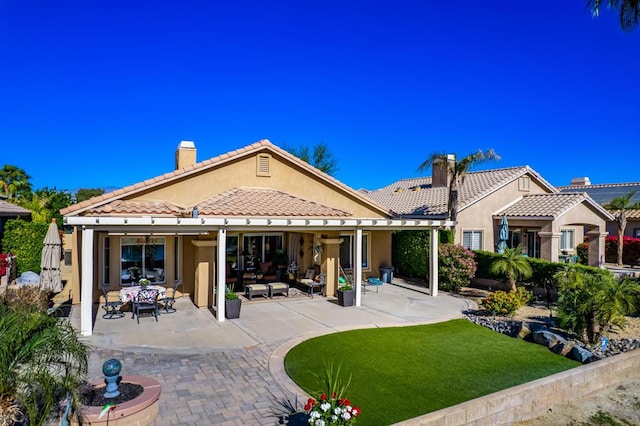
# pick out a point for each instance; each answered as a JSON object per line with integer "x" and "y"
{"x": 580, "y": 181}
{"x": 262, "y": 165}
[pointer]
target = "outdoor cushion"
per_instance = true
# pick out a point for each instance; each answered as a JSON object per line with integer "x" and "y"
{"x": 256, "y": 290}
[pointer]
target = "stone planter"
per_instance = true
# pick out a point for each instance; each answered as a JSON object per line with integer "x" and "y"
{"x": 346, "y": 297}
{"x": 232, "y": 308}
{"x": 139, "y": 411}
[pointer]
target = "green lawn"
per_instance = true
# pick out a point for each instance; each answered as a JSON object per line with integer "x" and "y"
{"x": 403, "y": 372}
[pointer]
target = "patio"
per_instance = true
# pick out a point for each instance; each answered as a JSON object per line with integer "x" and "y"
{"x": 191, "y": 330}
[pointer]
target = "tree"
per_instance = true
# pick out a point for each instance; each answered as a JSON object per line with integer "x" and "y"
{"x": 590, "y": 300}
{"x": 457, "y": 170}
{"x": 321, "y": 158}
{"x": 15, "y": 182}
{"x": 41, "y": 361}
{"x": 83, "y": 194}
{"x": 628, "y": 11}
{"x": 513, "y": 265}
{"x": 620, "y": 206}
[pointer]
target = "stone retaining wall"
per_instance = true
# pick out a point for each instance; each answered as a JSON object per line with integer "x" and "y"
{"x": 534, "y": 399}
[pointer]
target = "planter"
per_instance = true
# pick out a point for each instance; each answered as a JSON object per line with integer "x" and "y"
{"x": 346, "y": 297}
{"x": 232, "y": 308}
{"x": 139, "y": 411}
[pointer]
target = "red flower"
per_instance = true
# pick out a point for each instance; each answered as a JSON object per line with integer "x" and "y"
{"x": 323, "y": 397}
{"x": 347, "y": 402}
{"x": 311, "y": 401}
{"x": 341, "y": 401}
{"x": 355, "y": 412}
{"x": 307, "y": 407}
{"x": 334, "y": 395}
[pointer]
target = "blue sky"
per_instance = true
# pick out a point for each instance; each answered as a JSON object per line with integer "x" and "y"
{"x": 107, "y": 89}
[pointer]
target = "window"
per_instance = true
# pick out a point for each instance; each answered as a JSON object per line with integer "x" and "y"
{"x": 348, "y": 251}
{"x": 142, "y": 257}
{"x": 636, "y": 232}
{"x": 566, "y": 239}
{"x": 261, "y": 248}
{"x": 472, "y": 240}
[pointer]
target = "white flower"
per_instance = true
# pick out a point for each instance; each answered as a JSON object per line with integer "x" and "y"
{"x": 334, "y": 419}
{"x": 337, "y": 410}
{"x": 348, "y": 408}
{"x": 346, "y": 416}
{"x": 319, "y": 422}
{"x": 325, "y": 406}
{"x": 314, "y": 415}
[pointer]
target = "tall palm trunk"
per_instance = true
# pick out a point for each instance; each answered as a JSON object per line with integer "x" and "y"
{"x": 622, "y": 224}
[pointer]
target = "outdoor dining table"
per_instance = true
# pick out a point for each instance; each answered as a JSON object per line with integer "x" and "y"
{"x": 127, "y": 294}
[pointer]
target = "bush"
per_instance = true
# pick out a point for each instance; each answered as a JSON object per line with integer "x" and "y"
{"x": 25, "y": 240}
{"x": 506, "y": 302}
{"x": 457, "y": 266}
{"x": 25, "y": 297}
{"x": 410, "y": 252}
{"x": 484, "y": 260}
{"x": 3, "y": 264}
{"x": 630, "y": 250}
{"x": 583, "y": 253}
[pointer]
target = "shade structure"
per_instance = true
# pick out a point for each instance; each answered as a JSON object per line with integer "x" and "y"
{"x": 50, "y": 277}
{"x": 503, "y": 234}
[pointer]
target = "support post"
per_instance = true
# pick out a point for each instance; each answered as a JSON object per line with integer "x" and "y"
{"x": 220, "y": 284}
{"x": 433, "y": 263}
{"x": 86, "y": 285}
{"x": 358, "y": 267}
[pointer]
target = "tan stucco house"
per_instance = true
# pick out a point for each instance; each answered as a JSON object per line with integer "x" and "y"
{"x": 194, "y": 223}
{"x": 546, "y": 222}
{"x": 603, "y": 194}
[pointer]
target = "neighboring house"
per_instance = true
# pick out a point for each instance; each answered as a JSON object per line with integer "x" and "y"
{"x": 603, "y": 194}
{"x": 547, "y": 223}
{"x": 10, "y": 211}
{"x": 195, "y": 224}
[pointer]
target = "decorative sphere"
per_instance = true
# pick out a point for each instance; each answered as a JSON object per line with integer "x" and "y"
{"x": 111, "y": 367}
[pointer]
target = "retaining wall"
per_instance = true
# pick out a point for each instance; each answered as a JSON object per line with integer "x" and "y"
{"x": 534, "y": 399}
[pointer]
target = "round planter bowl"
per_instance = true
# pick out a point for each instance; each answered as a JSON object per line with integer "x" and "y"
{"x": 139, "y": 411}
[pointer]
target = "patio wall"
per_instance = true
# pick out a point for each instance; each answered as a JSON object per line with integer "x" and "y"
{"x": 534, "y": 399}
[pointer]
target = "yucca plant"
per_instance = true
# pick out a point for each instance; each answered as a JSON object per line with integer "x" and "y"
{"x": 41, "y": 362}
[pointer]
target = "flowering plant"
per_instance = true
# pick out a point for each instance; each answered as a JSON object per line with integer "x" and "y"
{"x": 331, "y": 407}
{"x": 143, "y": 281}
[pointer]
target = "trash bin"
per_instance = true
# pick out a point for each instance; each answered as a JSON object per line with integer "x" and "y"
{"x": 386, "y": 274}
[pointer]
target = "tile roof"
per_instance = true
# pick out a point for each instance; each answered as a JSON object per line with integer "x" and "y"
{"x": 604, "y": 193}
{"x": 264, "y": 202}
{"x": 218, "y": 161}
{"x": 128, "y": 207}
{"x": 548, "y": 205}
{"x": 415, "y": 196}
{"x": 8, "y": 209}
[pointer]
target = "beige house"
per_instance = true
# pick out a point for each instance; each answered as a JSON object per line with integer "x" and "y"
{"x": 548, "y": 224}
{"x": 603, "y": 194}
{"x": 204, "y": 221}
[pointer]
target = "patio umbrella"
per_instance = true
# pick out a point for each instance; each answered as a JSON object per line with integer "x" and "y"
{"x": 503, "y": 234}
{"x": 50, "y": 277}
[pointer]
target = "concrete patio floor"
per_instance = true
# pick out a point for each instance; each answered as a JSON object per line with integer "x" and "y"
{"x": 232, "y": 373}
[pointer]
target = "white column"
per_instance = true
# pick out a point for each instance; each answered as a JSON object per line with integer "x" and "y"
{"x": 357, "y": 270}
{"x": 86, "y": 283}
{"x": 221, "y": 270}
{"x": 433, "y": 263}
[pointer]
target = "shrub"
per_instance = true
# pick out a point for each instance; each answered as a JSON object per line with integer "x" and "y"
{"x": 583, "y": 253}
{"x": 3, "y": 264}
{"x": 506, "y": 303}
{"x": 457, "y": 266}
{"x": 25, "y": 240}
{"x": 484, "y": 259}
{"x": 410, "y": 252}
{"x": 25, "y": 297}
{"x": 630, "y": 250}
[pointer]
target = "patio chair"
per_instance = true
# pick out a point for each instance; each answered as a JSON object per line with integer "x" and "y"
{"x": 168, "y": 301}
{"x": 112, "y": 308}
{"x": 145, "y": 300}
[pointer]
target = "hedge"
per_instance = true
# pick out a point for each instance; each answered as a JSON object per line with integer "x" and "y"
{"x": 25, "y": 240}
{"x": 410, "y": 250}
{"x": 630, "y": 250}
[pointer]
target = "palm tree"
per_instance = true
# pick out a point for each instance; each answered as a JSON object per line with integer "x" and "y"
{"x": 41, "y": 361}
{"x": 628, "y": 11}
{"x": 14, "y": 181}
{"x": 513, "y": 265}
{"x": 620, "y": 206}
{"x": 457, "y": 170}
{"x": 321, "y": 158}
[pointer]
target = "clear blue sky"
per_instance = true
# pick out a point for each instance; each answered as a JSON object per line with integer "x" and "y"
{"x": 99, "y": 93}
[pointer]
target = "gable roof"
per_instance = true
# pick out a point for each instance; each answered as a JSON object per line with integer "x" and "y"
{"x": 416, "y": 196}
{"x": 261, "y": 146}
{"x": 604, "y": 193}
{"x": 549, "y": 206}
{"x": 11, "y": 210}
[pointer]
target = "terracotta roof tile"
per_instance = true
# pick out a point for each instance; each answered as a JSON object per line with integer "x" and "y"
{"x": 415, "y": 196}
{"x": 127, "y": 207}
{"x": 544, "y": 205}
{"x": 264, "y": 202}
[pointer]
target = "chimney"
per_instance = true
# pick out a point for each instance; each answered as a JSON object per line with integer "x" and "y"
{"x": 580, "y": 181}
{"x": 440, "y": 174}
{"x": 186, "y": 154}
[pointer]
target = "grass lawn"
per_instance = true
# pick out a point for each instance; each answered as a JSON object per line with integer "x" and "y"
{"x": 403, "y": 372}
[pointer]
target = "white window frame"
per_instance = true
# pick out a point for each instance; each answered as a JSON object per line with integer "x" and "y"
{"x": 567, "y": 239}
{"x": 473, "y": 233}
